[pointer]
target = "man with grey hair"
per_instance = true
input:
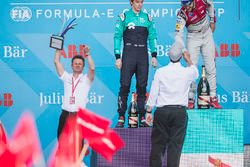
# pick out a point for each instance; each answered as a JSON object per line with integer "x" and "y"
{"x": 169, "y": 93}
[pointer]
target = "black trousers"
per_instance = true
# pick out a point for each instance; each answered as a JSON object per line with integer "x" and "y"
{"x": 134, "y": 61}
{"x": 168, "y": 132}
{"x": 62, "y": 121}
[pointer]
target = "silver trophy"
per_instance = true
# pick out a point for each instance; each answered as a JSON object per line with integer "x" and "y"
{"x": 56, "y": 41}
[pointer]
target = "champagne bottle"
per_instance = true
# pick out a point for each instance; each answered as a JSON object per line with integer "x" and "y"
{"x": 203, "y": 91}
{"x": 133, "y": 114}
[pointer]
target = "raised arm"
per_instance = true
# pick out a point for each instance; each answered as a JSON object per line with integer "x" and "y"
{"x": 179, "y": 29}
{"x": 91, "y": 64}
{"x": 187, "y": 59}
{"x": 59, "y": 66}
{"x": 210, "y": 10}
{"x": 194, "y": 74}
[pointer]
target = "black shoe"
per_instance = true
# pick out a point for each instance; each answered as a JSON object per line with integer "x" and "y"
{"x": 120, "y": 123}
{"x": 143, "y": 123}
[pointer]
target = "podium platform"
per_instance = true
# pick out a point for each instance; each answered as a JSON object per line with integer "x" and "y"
{"x": 212, "y": 136}
{"x": 136, "y": 151}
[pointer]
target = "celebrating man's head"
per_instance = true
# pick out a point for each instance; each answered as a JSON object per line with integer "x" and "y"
{"x": 188, "y": 4}
{"x": 77, "y": 64}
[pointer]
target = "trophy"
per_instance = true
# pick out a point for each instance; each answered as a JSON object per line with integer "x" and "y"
{"x": 56, "y": 41}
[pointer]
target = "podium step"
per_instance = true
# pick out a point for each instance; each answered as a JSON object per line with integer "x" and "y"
{"x": 211, "y": 135}
{"x": 136, "y": 151}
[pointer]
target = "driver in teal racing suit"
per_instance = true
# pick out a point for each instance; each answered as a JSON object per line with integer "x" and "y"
{"x": 137, "y": 29}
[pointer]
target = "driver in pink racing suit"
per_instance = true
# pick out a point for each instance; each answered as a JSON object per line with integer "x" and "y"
{"x": 193, "y": 16}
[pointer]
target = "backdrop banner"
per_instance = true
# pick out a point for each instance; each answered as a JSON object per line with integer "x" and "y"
{"x": 28, "y": 79}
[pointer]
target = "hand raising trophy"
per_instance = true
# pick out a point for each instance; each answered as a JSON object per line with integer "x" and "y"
{"x": 86, "y": 51}
{"x": 56, "y": 41}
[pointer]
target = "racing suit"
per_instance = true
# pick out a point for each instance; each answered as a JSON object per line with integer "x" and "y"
{"x": 199, "y": 39}
{"x": 136, "y": 30}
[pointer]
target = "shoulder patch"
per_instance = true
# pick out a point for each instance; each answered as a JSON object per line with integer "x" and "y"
{"x": 182, "y": 14}
{"x": 122, "y": 16}
{"x": 177, "y": 27}
{"x": 149, "y": 18}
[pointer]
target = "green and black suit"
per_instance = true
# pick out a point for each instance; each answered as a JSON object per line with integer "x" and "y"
{"x": 136, "y": 30}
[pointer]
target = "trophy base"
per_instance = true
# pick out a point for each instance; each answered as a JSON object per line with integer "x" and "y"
{"x": 56, "y": 42}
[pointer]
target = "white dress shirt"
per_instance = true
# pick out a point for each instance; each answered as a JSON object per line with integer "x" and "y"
{"x": 82, "y": 86}
{"x": 171, "y": 85}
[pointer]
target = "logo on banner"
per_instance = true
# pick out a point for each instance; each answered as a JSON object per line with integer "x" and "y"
{"x": 240, "y": 96}
{"x": 20, "y": 14}
{"x": 14, "y": 51}
{"x": 55, "y": 98}
{"x": 73, "y": 50}
{"x": 6, "y": 100}
{"x": 225, "y": 51}
{"x": 236, "y": 96}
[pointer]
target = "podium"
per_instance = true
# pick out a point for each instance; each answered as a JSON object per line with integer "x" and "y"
{"x": 136, "y": 151}
{"x": 213, "y": 136}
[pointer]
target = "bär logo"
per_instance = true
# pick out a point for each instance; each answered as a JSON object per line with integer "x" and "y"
{"x": 22, "y": 14}
{"x": 14, "y": 51}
